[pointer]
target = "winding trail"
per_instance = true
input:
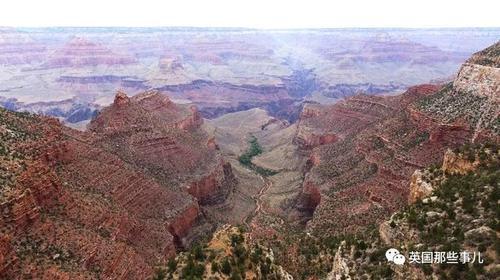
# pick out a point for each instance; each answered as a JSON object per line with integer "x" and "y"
{"x": 259, "y": 209}
{"x": 258, "y": 198}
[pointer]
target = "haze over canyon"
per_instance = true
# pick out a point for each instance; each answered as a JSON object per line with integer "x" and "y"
{"x": 229, "y": 153}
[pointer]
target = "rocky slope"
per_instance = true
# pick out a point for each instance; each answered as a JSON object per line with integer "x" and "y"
{"x": 230, "y": 254}
{"x": 473, "y": 97}
{"x": 457, "y": 215}
{"x": 151, "y": 132}
{"x": 364, "y": 150}
{"x": 76, "y": 206}
{"x": 362, "y": 153}
{"x": 487, "y": 57}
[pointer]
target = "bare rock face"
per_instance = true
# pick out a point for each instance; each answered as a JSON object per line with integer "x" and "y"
{"x": 340, "y": 269}
{"x": 457, "y": 163}
{"x": 121, "y": 99}
{"x": 183, "y": 222}
{"x": 479, "y": 80}
{"x": 213, "y": 188}
{"x": 310, "y": 111}
{"x": 419, "y": 187}
{"x": 310, "y": 197}
{"x": 193, "y": 121}
{"x": 307, "y": 139}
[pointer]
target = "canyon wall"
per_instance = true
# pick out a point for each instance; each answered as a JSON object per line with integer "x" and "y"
{"x": 81, "y": 209}
{"x": 372, "y": 147}
{"x": 366, "y": 170}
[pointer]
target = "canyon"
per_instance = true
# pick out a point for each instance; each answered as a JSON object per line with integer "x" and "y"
{"x": 121, "y": 157}
{"x": 80, "y": 207}
{"x": 71, "y": 73}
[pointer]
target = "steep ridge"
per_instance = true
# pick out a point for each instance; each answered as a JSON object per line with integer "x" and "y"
{"x": 79, "y": 207}
{"x": 363, "y": 150}
{"x": 487, "y": 57}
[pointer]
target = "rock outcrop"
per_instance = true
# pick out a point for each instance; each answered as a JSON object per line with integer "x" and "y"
{"x": 233, "y": 254}
{"x": 480, "y": 80}
{"x": 419, "y": 187}
{"x": 150, "y": 131}
{"x": 309, "y": 198}
{"x": 458, "y": 163}
{"x": 487, "y": 57}
{"x": 340, "y": 269}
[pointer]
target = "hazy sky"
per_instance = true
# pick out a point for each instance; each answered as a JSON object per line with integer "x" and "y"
{"x": 252, "y": 13}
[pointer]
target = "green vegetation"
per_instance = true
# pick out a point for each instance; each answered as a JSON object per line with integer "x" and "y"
{"x": 255, "y": 149}
{"x": 160, "y": 274}
{"x": 236, "y": 260}
{"x": 461, "y": 216}
{"x": 460, "y": 204}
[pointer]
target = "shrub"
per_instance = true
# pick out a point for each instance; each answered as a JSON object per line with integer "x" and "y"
{"x": 160, "y": 274}
{"x": 226, "y": 267}
{"x": 172, "y": 265}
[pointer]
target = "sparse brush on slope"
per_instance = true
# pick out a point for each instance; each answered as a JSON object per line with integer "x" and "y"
{"x": 460, "y": 215}
{"x": 229, "y": 255}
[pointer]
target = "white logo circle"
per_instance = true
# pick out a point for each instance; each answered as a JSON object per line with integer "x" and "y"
{"x": 399, "y": 259}
{"x": 389, "y": 254}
